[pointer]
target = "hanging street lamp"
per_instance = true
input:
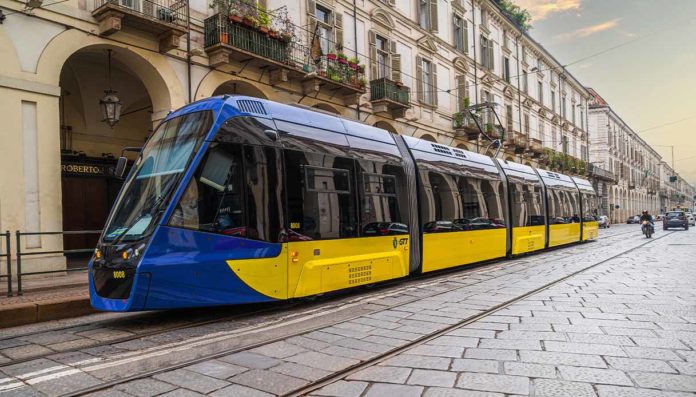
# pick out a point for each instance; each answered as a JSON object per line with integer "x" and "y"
{"x": 110, "y": 104}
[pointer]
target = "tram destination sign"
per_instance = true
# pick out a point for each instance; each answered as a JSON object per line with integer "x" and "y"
{"x": 84, "y": 169}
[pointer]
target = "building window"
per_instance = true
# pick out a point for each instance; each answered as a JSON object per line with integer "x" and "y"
{"x": 524, "y": 81}
{"x": 540, "y": 89}
{"x": 563, "y": 107}
{"x": 324, "y": 31}
{"x": 582, "y": 120}
{"x": 541, "y": 131}
{"x": 572, "y": 112}
{"x": 428, "y": 81}
{"x": 460, "y": 34}
{"x": 526, "y": 123}
{"x": 484, "y": 19}
{"x": 524, "y": 55}
{"x": 553, "y": 100}
{"x": 486, "y": 53}
{"x": 427, "y": 14}
{"x": 508, "y": 117}
{"x": 506, "y": 69}
{"x": 506, "y": 40}
{"x": 382, "y": 47}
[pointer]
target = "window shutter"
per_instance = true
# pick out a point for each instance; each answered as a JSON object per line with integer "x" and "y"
{"x": 433, "y": 88}
{"x": 465, "y": 33}
{"x": 396, "y": 67}
{"x": 372, "y": 38}
{"x": 433, "y": 16}
{"x": 312, "y": 8}
{"x": 338, "y": 29}
{"x": 419, "y": 78}
{"x": 461, "y": 92}
{"x": 491, "y": 61}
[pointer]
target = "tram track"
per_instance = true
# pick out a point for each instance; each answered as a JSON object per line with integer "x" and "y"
{"x": 371, "y": 361}
{"x": 273, "y": 307}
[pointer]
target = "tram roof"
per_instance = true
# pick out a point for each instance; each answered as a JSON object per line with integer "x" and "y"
{"x": 556, "y": 180}
{"x": 583, "y": 184}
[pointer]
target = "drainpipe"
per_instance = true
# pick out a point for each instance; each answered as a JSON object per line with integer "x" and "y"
{"x": 519, "y": 90}
{"x": 188, "y": 48}
{"x": 473, "y": 24}
{"x": 355, "y": 40}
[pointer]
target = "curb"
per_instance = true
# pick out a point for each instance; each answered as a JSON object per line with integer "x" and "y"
{"x": 29, "y": 313}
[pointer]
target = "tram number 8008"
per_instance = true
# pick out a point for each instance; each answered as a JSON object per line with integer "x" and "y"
{"x": 119, "y": 274}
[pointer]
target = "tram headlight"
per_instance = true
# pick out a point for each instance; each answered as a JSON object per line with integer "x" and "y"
{"x": 97, "y": 253}
{"x": 138, "y": 250}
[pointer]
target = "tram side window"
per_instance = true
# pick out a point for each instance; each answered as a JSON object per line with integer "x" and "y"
{"x": 454, "y": 203}
{"x": 236, "y": 191}
{"x": 321, "y": 196}
{"x": 590, "y": 207}
{"x": 383, "y": 199}
{"x": 563, "y": 206}
{"x": 527, "y": 208}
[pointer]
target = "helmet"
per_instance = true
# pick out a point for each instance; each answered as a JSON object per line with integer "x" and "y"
{"x": 645, "y": 212}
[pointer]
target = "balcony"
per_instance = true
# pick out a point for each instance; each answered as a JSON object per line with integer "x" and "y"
{"x": 516, "y": 142}
{"x": 466, "y": 126}
{"x": 535, "y": 147}
{"x": 388, "y": 96}
{"x": 274, "y": 47}
{"x": 600, "y": 173}
{"x": 166, "y": 19}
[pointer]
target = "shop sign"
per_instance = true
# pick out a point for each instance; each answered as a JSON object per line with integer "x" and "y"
{"x": 83, "y": 169}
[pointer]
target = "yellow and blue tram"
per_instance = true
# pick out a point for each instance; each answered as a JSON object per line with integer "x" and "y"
{"x": 237, "y": 200}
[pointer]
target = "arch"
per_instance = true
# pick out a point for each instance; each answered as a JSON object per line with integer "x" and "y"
{"x": 154, "y": 70}
{"x": 527, "y": 163}
{"x": 510, "y": 158}
{"x": 383, "y": 18}
{"x": 463, "y": 146}
{"x": 216, "y": 79}
{"x": 428, "y": 137}
{"x": 327, "y": 108}
{"x": 386, "y": 126}
{"x": 239, "y": 87}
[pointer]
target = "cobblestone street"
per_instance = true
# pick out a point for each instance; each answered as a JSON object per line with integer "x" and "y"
{"x": 610, "y": 318}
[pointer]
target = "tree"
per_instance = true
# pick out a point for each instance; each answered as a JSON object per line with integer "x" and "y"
{"x": 519, "y": 15}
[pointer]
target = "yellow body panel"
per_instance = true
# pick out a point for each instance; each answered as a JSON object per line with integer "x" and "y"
{"x": 565, "y": 233}
{"x": 528, "y": 239}
{"x": 590, "y": 230}
{"x": 268, "y": 276}
{"x": 328, "y": 265}
{"x": 443, "y": 250}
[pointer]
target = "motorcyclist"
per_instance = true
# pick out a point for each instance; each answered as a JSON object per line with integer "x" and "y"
{"x": 647, "y": 217}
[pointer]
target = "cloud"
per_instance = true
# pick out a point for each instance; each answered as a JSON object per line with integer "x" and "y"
{"x": 540, "y": 9}
{"x": 589, "y": 30}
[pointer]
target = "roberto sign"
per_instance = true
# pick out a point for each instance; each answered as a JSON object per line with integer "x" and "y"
{"x": 83, "y": 169}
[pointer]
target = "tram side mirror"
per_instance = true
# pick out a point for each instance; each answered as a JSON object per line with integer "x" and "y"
{"x": 271, "y": 134}
{"x": 121, "y": 167}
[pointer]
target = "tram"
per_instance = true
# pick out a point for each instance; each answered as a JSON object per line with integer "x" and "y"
{"x": 236, "y": 200}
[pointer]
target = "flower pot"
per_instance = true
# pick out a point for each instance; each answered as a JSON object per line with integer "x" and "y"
{"x": 248, "y": 22}
{"x": 343, "y": 61}
{"x": 235, "y": 19}
{"x": 224, "y": 38}
{"x": 331, "y": 57}
{"x": 263, "y": 30}
{"x": 286, "y": 37}
{"x": 353, "y": 65}
{"x": 273, "y": 34}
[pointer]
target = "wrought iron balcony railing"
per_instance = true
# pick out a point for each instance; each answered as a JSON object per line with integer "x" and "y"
{"x": 162, "y": 11}
{"x": 385, "y": 89}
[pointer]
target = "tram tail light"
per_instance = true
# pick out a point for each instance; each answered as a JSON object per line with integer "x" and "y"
{"x": 295, "y": 256}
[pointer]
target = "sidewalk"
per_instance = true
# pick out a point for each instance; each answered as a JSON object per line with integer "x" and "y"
{"x": 46, "y": 297}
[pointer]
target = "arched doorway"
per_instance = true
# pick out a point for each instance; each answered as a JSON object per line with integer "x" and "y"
{"x": 327, "y": 108}
{"x": 463, "y": 147}
{"x": 89, "y": 146}
{"x": 238, "y": 87}
{"x": 386, "y": 126}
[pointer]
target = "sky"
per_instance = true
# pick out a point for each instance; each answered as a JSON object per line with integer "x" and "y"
{"x": 648, "y": 82}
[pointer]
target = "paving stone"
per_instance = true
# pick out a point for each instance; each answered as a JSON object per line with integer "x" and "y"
{"x": 377, "y": 323}
{"x": 578, "y": 329}
{"x": 380, "y": 373}
{"x": 531, "y": 327}
{"x": 428, "y": 377}
{"x": 322, "y": 361}
{"x": 416, "y": 361}
{"x": 629, "y": 331}
{"x": 584, "y": 348}
{"x": 109, "y": 393}
{"x": 594, "y": 375}
{"x": 240, "y": 391}
{"x": 620, "y": 391}
{"x": 489, "y": 326}
{"x": 216, "y": 369}
{"x": 145, "y": 387}
{"x": 662, "y": 343}
{"x": 554, "y": 388}
{"x": 639, "y": 364}
{"x": 268, "y": 381}
{"x": 651, "y": 352}
{"x": 363, "y": 345}
{"x": 510, "y": 344}
{"x": 665, "y": 381}
{"x": 442, "y": 392}
{"x": 250, "y": 360}
{"x": 280, "y": 349}
{"x": 494, "y": 382}
{"x": 530, "y": 370}
{"x": 383, "y": 340}
{"x": 618, "y": 340}
{"x": 474, "y": 333}
{"x": 386, "y": 389}
{"x": 66, "y": 384}
{"x": 684, "y": 368}
{"x": 342, "y": 389}
{"x": 491, "y": 354}
{"x": 26, "y": 351}
{"x": 182, "y": 393}
{"x": 555, "y": 358}
{"x": 324, "y": 336}
{"x": 407, "y": 336}
{"x": 471, "y": 365}
{"x": 347, "y": 352}
{"x": 532, "y": 335}
{"x": 300, "y": 371}
{"x": 308, "y": 343}
{"x": 460, "y": 341}
{"x": 437, "y": 351}
{"x": 192, "y": 380}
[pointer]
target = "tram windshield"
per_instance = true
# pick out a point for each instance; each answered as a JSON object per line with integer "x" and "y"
{"x": 157, "y": 171}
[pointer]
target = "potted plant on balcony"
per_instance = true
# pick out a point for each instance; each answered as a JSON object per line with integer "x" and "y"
{"x": 353, "y": 63}
{"x": 361, "y": 68}
{"x": 264, "y": 21}
{"x": 458, "y": 120}
{"x": 331, "y": 56}
{"x": 250, "y": 21}
{"x": 342, "y": 58}
{"x": 362, "y": 83}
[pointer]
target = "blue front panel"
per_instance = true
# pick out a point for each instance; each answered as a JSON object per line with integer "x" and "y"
{"x": 186, "y": 268}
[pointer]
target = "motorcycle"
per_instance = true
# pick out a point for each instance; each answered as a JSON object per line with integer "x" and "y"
{"x": 648, "y": 229}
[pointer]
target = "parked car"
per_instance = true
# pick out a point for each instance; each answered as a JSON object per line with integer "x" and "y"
{"x": 603, "y": 221}
{"x": 690, "y": 217}
{"x": 675, "y": 219}
{"x": 633, "y": 219}
{"x": 384, "y": 229}
{"x": 440, "y": 226}
{"x": 660, "y": 217}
